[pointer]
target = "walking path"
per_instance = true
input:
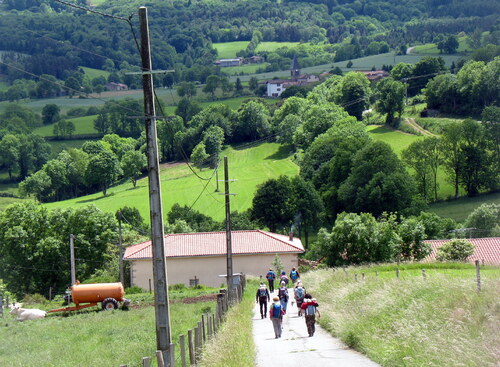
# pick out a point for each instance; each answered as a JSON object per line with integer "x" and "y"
{"x": 412, "y": 123}
{"x": 296, "y": 348}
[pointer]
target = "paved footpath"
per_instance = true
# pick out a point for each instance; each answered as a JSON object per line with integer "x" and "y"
{"x": 296, "y": 348}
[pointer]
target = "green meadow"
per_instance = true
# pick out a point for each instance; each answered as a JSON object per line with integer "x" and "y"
{"x": 250, "y": 166}
{"x": 83, "y": 125}
{"x": 243, "y": 69}
{"x": 228, "y": 50}
{"x": 459, "y": 209}
{"x": 273, "y": 46}
{"x": 431, "y": 48}
{"x": 94, "y": 73}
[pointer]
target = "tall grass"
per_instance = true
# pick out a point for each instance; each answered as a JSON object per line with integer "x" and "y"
{"x": 233, "y": 345}
{"x": 411, "y": 321}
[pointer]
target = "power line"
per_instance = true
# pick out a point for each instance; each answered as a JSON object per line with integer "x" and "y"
{"x": 93, "y": 11}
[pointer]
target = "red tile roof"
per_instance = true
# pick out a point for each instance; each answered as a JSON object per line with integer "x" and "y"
{"x": 214, "y": 244}
{"x": 486, "y": 250}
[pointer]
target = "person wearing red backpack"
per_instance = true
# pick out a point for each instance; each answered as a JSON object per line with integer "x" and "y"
{"x": 310, "y": 307}
{"x": 262, "y": 297}
{"x": 276, "y": 313}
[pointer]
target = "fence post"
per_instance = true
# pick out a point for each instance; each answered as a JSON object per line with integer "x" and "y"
{"x": 478, "y": 276}
{"x": 191, "y": 347}
{"x": 182, "y": 347}
{"x": 363, "y": 276}
{"x": 196, "y": 344}
{"x": 146, "y": 361}
{"x": 1, "y": 305}
{"x": 356, "y": 277}
{"x": 200, "y": 338}
{"x": 203, "y": 325}
{"x": 397, "y": 272}
{"x": 376, "y": 274}
{"x": 209, "y": 324}
{"x": 171, "y": 363}
{"x": 159, "y": 358}
{"x": 423, "y": 273}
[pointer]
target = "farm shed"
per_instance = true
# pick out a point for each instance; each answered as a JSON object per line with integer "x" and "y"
{"x": 203, "y": 255}
{"x": 486, "y": 250}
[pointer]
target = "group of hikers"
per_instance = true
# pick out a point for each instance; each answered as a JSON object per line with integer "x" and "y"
{"x": 306, "y": 304}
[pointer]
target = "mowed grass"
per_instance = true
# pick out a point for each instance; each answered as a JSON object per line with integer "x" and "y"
{"x": 411, "y": 321}
{"x": 83, "y": 125}
{"x": 243, "y": 69}
{"x": 94, "y": 73}
{"x": 250, "y": 167}
{"x": 431, "y": 48}
{"x": 93, "y": 338}
{"x": 461, "y": 208}
{"x": 228, "y": 50}
{"x": 273, "y": 46}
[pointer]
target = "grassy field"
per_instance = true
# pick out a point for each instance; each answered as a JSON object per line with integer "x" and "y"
{"x": 243, "y": 69}
{"x": 249, "y": 166}
{"x": 95, "y": 338}
{"x": 431, "y": 48}
{"x": 94, "y": 73}
{"x": 273, "y": 46}
{"x": 435, "y": 124}
{"x": 83, "y": 125}
{"x": 396, "y": 139}
{"x": 437, "y": 321}
{"x": 3, "y": 86}
{"x": 461, "y": 208}
{"x": 228, "y": 50}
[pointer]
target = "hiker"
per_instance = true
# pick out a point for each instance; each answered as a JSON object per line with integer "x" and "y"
{"x": 294, "y": 275}
{"x": 299, "y": 294}
{"x": 276, "y": 313}
{"x": 310, "y": 307}
{"x": 270, "y": 276}
{"x": 284, "y": 278}
{"x": 283, "y": 295}
{"x": 262, "y": 297}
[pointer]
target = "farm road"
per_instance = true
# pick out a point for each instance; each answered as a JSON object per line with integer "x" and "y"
{"x": 295, "y": 348}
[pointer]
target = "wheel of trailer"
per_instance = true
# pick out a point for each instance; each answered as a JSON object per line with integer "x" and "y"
{"x": 109, "y": 304}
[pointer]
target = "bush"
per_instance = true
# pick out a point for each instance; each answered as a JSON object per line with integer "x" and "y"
{"x": 455, "y": 250}
{"x": 134, "y": 290}
{"x": 31, "y": 299}
{"x": 176, "y": 287}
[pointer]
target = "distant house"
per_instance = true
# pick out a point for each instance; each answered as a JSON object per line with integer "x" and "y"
{"x": 375, "y": 74}
{"x": 255, "y": 60}
{"x": 486, "y": 250}
{"x": 203, "y": 255}
{"x": 116, "y": 86}
{"x": 277, "y": 86}
{"x": 223, "y": 63}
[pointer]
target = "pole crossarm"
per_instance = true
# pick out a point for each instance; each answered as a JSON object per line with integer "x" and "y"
{"x": 149, "y": 72}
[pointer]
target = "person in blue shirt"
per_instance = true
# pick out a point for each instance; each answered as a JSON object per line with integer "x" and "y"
{"x": 270, "y": 276}
{"x": 294, "y": 275}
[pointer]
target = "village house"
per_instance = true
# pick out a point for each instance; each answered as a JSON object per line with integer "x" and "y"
{"x": 254, "y": 60}
{"x": 116, "y": 86}
{"x": 202, "y": 256}
{"x": 486, "y": 250}
{"x": 224, "y": 63}
{"x": 375, "y": 75}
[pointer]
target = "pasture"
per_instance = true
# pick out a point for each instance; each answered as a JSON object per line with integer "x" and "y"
{"x": 83, "y": 125}
{"x": 94, "y": 73}
{"x": 243, "y": 69}
{"x": 90, "y": 338}
{"x": 439, "y": 320}
{"x": 228, "y": 50}
{"x": 250, "y": 167}
{"x": 431, "y": 48}
{"x": 461, "y": 208}
{"x": 273, "y": 46}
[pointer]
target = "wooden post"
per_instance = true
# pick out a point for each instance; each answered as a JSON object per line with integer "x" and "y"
{"x": 214, "y": 320}
{"x": 203, "y": 327}
{"x": 356, "y": 277}
{"x": 478, "y": 275}
{"x": 363, "y": 276}
{"x": 50, "y": 294}
{"x": 376, "y": 274}
{"x": 397, "y": 272}
{"x": 200, "y": 338}
{"x": 72, "y": 258}
{"x": 146, "y": 362}
{"x": 191, "y": 347}
{"x": 171, "y": 362}
{"x": 182, "y": 346}
{"x": 149, "y": 286}
{"x": 196, "y": 344}
{"x": 209, "y": 326}
{"x": 159, "y": 358}
{"x": 423, "y": 273}
{"x": 229, "y": 251}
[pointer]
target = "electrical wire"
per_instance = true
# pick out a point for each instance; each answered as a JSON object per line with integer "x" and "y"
{"x": 92, "y": 10}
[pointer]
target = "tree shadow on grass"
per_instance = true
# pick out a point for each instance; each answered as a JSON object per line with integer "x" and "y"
{"x": 95, "y": 199}
{"x": 283, "y": 152}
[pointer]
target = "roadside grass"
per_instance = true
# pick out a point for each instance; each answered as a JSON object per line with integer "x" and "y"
{"x": 93, "y": 338}
{"x": 83, "y": 125}
{"x": 251, "y": 167}
{"x": 459, "y": 209}
{"x": 438, "y": 321}
{"x": 94, "y": 73}
{"x": 228, "y": 50}
{"x": 233, "y": 345}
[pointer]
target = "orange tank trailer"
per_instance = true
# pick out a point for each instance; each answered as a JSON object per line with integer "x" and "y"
{"x": 88, "y": 295}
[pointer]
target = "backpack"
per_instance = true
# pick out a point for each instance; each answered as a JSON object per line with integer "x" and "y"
{"x": 284, "y": 278}
{"x": 299, "y": 293}
{"x": 276, "y": 311}
{"x": 282, "y": 293}
{"x": 310, "y": 310}
{"x": 270, "y": 276}
{"x": 294, "y": 275}
{"x": 262, "y": 292}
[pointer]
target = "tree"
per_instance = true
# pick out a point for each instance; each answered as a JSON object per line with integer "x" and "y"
{"x": 238, "y": 87}
{"x": 199, "y": 155}
{"x": 455, "y": 250}
{"x": 213, "y": 138}
{"x": 37, "y": 184}
{"x": 211, "y": 85}
{"x": 9, "y": 153}
{"x": 187, "y": 109}
{"x": 133, "y": 163}
{"x": 50, "y": 114}
{"x": 64, "y": 129}
{"x": 412, "y": 246}
{"x": 103, "y": 170}
{"x": 272, "y": 205}
{"x": 277, "y": 264}
{"x": 390, "y": 99}
{"x": 491, "y": 123}
{"x": 253, "y": 84}
{"x": 355, "y": 93}
{"x": 452, "y": 155}
{"x": 485, "y": 220}
{"x": 186, "y": 89}
{"x": 253, "y": 122}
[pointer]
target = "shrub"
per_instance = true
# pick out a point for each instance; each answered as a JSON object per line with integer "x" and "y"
{"x": 134, "y": 290}
{"x": 176, "y": 287}
{"x": 31, "y": 299}
{"x": 455, "y": 250}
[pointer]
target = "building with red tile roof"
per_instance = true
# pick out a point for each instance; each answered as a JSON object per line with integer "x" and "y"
{"x": 486, "y": 250}
{"x": 203, "y": 255}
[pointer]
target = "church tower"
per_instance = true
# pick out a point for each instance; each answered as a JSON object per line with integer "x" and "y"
{"x": 295, "y": 69}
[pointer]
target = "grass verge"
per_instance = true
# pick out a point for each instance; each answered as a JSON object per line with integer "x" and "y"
{"x": 411, "y": 321}
{"x": 233, "y": 345}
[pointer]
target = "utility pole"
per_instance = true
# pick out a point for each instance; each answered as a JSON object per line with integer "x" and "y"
{"x": 72, "y": 258}
{"x": 229, "y": 256}
{"x": 163, "y": 335}
{"x": 120, "y": 245}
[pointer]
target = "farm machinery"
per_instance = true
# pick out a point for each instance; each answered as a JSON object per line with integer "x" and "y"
{"x": 89, "y": 295}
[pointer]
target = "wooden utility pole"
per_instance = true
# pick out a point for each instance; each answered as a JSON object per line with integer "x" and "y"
{"x": 120, "y": 245}
{"x": 72, "y": 258}
{"x": 229, "y": 256}
{"x": 163, "y": 335}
